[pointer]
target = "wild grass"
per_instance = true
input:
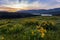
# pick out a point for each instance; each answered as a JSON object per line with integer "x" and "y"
{"x": 32, "y": 28}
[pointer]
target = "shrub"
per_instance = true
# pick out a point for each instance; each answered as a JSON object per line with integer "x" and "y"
{"x": 48, "y": 25}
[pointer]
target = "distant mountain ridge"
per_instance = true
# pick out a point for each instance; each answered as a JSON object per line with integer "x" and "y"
{"x": 50, "y": 11}
{"x": 29, "y": 13}
{"x": 5, "y": 14}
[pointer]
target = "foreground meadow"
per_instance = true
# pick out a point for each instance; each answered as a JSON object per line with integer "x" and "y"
{"x": 30, "y": 28}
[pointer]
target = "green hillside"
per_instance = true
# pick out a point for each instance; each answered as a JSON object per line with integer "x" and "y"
{"x": 30, "y": 28}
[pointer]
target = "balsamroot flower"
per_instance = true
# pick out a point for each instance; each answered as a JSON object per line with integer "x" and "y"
{"x": 2, "y": 38}
{"x": 32, "y": 32}
{"x": 42, "y": 31}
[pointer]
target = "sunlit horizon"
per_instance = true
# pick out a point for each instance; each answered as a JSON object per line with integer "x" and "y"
{"x": 15, "y": 5}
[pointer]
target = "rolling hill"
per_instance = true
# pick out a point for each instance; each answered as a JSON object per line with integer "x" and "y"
{"x": 29, "y": 13}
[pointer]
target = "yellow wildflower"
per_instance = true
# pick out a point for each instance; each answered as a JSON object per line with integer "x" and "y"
{"x": 2, "y": 38}
{"x": 42, "y": 31}
{"x": 53, "y": 23}
{"x": 32, "y": 33}
{"x": 38, "y": 27}
{"x": 45, "y": 22}
{"x": 42, "y": 35}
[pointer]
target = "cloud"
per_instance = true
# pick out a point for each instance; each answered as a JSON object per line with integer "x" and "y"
{"x": 58, "y": 0}
{"x": 2, "y": 2}
{"x": 31, "y": 4}
{"x": 44, "y": 4}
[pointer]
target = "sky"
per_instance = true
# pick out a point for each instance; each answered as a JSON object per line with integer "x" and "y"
{"x": 30, "y": 4}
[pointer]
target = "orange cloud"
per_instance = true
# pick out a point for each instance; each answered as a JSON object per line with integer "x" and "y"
{"x": 9, "y": 9}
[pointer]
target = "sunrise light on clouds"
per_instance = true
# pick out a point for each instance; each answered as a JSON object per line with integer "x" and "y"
{"x": 29, "y": 4}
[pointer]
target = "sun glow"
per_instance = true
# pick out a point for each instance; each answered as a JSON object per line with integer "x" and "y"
{"x": 15, "y": 7}
{"x": 18, "y": 6}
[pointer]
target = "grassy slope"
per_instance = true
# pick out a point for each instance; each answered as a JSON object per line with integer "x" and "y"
{"x": 14, "y": 29}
